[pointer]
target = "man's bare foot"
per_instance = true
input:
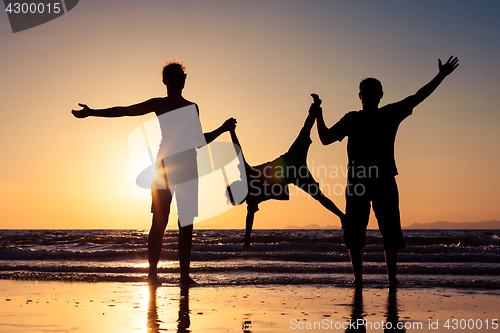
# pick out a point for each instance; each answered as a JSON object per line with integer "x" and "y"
{"x": 187, "y": 282}
{"x": 393, "y": 282}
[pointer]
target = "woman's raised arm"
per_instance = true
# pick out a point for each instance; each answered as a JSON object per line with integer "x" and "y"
{"x": 139, "y": 109}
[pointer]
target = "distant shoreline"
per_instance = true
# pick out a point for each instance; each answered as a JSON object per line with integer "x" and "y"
{"x": 494, "y": 224}
{"x": 441, "y": 225}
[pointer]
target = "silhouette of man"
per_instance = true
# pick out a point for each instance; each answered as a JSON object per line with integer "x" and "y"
{"x": 372, "y": 167}
{"x": 174, "y": 137}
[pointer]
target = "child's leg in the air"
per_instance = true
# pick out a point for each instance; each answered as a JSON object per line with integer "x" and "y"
{"x": 311, "y": 186}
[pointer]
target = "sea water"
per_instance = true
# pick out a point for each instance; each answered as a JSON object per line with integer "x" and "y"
{"x": 444, "y": 258}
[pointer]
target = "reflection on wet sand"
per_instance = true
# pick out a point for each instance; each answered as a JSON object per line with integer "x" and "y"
{"x": 392, "y": 314}
{"x": 153, "y": 320}
{"x": 183, "y": 322}
{"x": 247, "y": 324}
{"x": 357, "y": 311}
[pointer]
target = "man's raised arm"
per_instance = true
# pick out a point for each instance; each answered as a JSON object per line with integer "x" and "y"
{"x": 425, "y": 91}
{"x": 325, "y": 136}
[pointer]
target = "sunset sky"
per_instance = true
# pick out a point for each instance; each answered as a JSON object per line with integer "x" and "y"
{"x": 256, "y": 61}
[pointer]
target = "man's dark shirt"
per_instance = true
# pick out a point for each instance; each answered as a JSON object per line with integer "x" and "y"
{"x": 372, "y": 135}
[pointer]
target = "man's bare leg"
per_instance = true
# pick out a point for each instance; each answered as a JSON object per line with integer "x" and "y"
{"x": 391, "y": 261}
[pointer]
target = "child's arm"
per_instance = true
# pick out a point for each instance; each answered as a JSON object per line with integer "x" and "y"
{"x": 247, "y": 240}
{"x": 235, "y": 140}
{"x": 139, "y": 109}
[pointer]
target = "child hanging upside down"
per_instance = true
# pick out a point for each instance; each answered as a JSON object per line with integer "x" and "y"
{"x": 270, "y": 180}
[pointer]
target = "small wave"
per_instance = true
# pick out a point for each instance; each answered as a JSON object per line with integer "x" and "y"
{"x": 316, "y": 253}
{"x": 207, "y": 280}
{"x": 137, "y": 238}
{"x": 256, "y": 266}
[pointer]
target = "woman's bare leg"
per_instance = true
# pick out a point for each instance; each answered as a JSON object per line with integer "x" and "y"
{"x": 155, "y": 241}
{"x": 184, "y": 248}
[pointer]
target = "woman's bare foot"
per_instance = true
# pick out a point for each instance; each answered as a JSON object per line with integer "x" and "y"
{"x": 153, "y": 282}
{"x": 186, "y": 282}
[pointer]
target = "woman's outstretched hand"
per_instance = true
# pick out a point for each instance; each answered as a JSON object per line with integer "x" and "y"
{"x": 229, "y": 125}
{"x": 83, "y": 113}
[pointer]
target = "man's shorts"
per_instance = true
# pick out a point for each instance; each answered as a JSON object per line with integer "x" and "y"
{"x": 383, "y": 194}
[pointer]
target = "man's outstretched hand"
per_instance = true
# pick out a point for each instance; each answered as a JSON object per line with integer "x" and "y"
{"x": 448, "y": 67}
{"x": 83, "y": 113}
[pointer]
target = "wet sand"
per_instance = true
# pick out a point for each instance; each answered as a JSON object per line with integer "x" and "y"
{"x": 39, "y": 306}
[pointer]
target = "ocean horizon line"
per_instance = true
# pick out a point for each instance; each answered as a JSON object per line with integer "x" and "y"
{"x": 438, "y": 225}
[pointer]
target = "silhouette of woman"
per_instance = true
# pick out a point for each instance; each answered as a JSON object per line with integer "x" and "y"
{"x": 173, "y": 146}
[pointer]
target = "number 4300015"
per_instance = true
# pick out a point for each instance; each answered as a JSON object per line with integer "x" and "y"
{"x": 33, "y": 8}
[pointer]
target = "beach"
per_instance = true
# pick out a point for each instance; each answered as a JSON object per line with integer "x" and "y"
{"x": 55, "y": 306}
{"x": 280, "y": 127}
{"x": 289, "y": 281}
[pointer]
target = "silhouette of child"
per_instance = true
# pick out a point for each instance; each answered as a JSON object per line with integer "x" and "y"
{"x": 270, "y": 180}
